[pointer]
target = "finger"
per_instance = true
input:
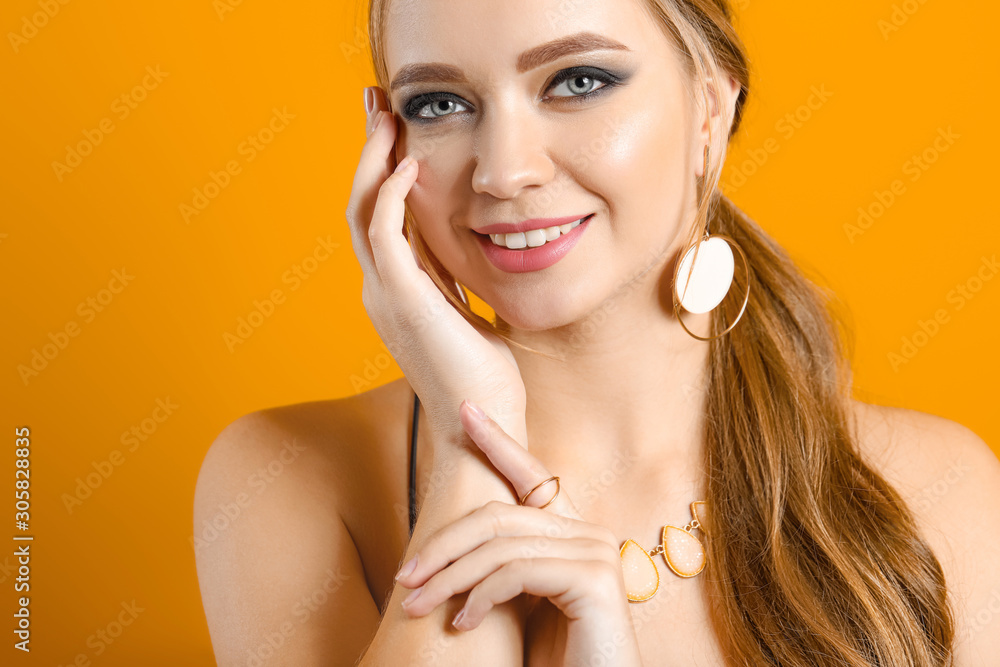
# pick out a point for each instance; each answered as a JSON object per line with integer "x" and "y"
{"x": 493, "y": 520}
{"x": 561, "y": 581}
{"x": 474, "y": 567}
{"x": 392, "y": 255}
{"x": 516, "y": 463}
{"x": 369, "y": 175}
{"x": 382, "y": 104}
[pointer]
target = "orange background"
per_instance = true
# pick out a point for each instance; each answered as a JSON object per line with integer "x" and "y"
{"x": 162, "y": 335}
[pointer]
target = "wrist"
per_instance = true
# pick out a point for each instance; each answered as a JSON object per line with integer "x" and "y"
{"x": 459, "y": 451}
{"x": 463, "y": 472}
{"x": 456, "y": 439}
{"x": 457, "y": 485}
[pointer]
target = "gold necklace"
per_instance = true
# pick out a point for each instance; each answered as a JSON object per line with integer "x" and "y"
{"x": 682, "y": 551}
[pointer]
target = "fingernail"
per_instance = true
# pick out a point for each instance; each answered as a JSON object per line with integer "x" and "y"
{"x": 379, "y": 117}
{"x": 369, "y": 100}
{"x": 458, "y": 617}
{"x": 476, "y": 410}
{"x": 405, "y": 164}
{"x": 407, "y": 568}
{"x": 412, "y": 596}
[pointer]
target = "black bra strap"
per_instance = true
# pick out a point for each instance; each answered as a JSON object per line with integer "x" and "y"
{"x": 413, "y": 463}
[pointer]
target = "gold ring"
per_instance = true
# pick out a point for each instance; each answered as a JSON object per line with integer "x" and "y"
{"x": 537, "y": 486}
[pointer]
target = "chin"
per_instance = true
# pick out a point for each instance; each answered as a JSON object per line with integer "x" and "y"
{"x": 540, "y": 314}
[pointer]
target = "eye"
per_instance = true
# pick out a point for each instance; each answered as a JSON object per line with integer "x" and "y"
{"x": 578, "y": 85}
{"x": 433, "y": 105}
{"x": 572, "y": 84}
{"x": 581, "y": 82}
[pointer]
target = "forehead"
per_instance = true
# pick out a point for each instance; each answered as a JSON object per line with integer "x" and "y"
{"x": 495, "y": 32}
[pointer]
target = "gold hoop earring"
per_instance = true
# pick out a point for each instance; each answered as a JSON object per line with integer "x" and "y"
{"x": 708, "y": 283}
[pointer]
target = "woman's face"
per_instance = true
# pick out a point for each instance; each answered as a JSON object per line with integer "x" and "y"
{"x": 541, "y": 109}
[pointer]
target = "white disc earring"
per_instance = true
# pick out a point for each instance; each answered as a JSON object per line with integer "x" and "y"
{"x": 705, "y": 282}
{"x": 710, "y": 280}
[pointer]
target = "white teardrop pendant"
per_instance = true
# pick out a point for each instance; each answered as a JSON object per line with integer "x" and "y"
{"x": 640, "y": 574}
{"x": 683, "y": 552}
{"x": 699, "y": 510}
{"x": 712, "y": 276}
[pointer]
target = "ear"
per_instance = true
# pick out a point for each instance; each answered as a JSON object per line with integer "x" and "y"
{"x": 722, "y": 105}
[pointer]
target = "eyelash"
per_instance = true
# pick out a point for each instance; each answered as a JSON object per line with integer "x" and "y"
{"x": 412, "y": 108}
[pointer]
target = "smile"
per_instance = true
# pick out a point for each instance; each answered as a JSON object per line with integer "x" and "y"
{"x": 534, "y": 238}
{"x": 533, "y": 250}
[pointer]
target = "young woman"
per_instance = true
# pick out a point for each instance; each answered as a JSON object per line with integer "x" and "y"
{"x": 670, "y": 469}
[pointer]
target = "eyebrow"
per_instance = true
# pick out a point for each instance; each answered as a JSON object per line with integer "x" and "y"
{"x": 535, "y": 57}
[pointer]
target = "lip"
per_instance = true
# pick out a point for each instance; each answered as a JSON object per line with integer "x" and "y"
{"x": 533, "y": 259}
{"x": 527, "y": 225}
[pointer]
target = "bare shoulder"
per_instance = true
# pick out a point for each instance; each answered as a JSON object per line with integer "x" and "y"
{"x": 922, "y": 451}
{"x": 278, "y": 537}
{"x": 950, "y": 478}
{"x": 323, "y": 446}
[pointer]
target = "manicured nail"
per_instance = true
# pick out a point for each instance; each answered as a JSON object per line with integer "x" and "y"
{"x": 369, "y": 100}
{"x": 407, "y": 568}
{"x": 476, "y": 410}
{"x": 458, "y": 617}
{"x": 379, "y": 119}
{"x": 404, "y": 165}
{"x": 412, "y": 596}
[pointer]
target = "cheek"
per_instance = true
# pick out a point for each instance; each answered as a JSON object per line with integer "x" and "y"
{"x": 642, "y": 147}
{"x": 441, "y": 165}
{"x": 438, "y": 192}
{"x": 634, "y": 159}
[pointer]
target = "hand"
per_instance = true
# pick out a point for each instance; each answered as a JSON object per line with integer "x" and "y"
{"x": 444, "y": 356}
{"x": 502, "y": 550}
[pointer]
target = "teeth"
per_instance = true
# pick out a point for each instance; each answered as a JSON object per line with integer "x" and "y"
{"x": 533, "y": 238}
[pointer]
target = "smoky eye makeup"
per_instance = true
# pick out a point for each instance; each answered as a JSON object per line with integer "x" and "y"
{"x": 574, "y": 85}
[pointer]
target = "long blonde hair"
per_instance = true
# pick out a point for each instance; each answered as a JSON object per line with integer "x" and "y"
{"x": 813, "y": 557}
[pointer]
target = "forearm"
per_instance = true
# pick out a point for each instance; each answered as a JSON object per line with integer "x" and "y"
{"x": 461, "y": 481}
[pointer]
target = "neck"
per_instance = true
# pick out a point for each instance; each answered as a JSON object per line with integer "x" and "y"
{"x": 628, "y": 394}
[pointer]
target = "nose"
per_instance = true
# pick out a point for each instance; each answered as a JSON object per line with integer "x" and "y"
{"x": 510, "y": 154}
